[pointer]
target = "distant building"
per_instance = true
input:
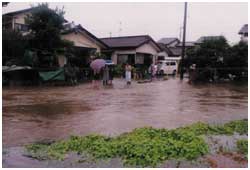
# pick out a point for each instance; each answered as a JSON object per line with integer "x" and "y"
{"x": 188, "y": 44}
{"x": 172, "y": 47}
{"x": 244, "y": 33}
{"x": 169, "y": 42}
{"x": 141, "y": 49}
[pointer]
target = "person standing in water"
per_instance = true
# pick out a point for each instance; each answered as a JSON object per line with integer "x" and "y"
{"x": 105, "y": 75}
{"x": 128, "y": 69}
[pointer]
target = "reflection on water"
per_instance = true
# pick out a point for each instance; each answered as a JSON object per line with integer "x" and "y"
{"x": 40, "y": 113}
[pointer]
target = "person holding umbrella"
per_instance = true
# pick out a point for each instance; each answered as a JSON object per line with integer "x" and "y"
{"x": 105, "y": 75}
{"x": 97, "y": 66}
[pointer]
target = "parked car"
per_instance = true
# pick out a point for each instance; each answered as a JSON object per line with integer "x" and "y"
{"x": 167, "y": 67}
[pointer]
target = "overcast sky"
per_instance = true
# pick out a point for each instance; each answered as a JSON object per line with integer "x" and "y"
{"x": 155, "y": 19}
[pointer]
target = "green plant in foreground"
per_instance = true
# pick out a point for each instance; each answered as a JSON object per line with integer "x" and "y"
{"x": 239, "y": 126}
{"x": 242, "y": 146}
{"x": 143, "y": 146}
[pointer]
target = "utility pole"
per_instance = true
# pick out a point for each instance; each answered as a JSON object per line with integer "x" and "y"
{"x": 183, "y": 41}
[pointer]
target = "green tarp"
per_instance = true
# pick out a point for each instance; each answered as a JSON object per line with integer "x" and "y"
{"x": 53, "y": 75}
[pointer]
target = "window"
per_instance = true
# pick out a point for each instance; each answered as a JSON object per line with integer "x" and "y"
{"x": 161, "y": 57}
{"x": 172, "y": 63}
{"x": 139, "y": 59}
{"x": 21, "y": 27}
{"x": 122, "y": 59}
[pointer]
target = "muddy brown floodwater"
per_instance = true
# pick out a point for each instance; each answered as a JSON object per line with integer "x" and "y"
{"x": 40, "y": 113}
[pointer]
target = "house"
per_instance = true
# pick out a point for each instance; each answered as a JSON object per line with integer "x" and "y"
{"x": 16, "y": 20}
{"x": 169, "y": 42}
{"x": 141, "y": 49}
{"x": 172, "y": 49}
{"x": 165, "y": 53}
{"x": 85, "y": 43}
{"x": 244, "y": 33}
{"x": 188, "y": 44}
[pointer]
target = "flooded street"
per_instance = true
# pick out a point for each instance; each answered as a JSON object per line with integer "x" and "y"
{"x": 39, "y": 113}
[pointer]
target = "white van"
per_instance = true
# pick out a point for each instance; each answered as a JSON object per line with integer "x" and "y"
{"x": 167, "y": 67}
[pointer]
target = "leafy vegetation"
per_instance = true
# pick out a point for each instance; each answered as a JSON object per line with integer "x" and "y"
{"x": 46, "y": 25}
{"x": 216, "y": 57}
{"x": 118, "y": 70}
{"x": 242, "y": 146}
{"x": 143, "y": 146}
{"x": 14, "y": 45}
{"x": 239, "y": 126}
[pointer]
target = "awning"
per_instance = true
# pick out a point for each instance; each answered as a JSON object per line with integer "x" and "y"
{"x": 15, "y": 68}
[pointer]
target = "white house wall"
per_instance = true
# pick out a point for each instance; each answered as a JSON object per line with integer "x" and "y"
{"x": 163, "y": 53}
{"x": 81, "y": 40}
{"x": 20, "y": 18}
{"x": 147, "y": 48}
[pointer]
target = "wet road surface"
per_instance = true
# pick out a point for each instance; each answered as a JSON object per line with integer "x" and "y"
{"x": 40, "y": 113}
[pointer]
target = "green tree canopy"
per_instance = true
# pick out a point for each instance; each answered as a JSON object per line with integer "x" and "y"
{"x": 46, "y": 26}
{"x": 209, "y": 53}
{"x": 14, "y": 45}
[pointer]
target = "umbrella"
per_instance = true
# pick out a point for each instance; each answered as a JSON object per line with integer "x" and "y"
{"x": 97, "y": 64}
{"x": 109, "y": 62}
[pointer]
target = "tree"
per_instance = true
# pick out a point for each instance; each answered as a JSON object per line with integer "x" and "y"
{"x": 208, "y": 57}
{"x": 46, "y": 26}
{"x": 209, "y": 53}
{"x": 237, "y": 60}
{"x": 217, "y": 57}
{"x": 14, "y": 45}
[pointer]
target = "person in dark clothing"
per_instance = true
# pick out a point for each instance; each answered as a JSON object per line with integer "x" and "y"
{"x": 111, "y": 76}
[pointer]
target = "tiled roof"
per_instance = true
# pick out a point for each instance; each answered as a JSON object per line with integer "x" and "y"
{"x": 165, "y": 48}
{"x": 19, "y": 12}
{"x": 167, "y": 41}
{"x": 187, "y": 44}
{"x": 244, "y": 29}
{"x": 128, "y": 41}
{"x": 176, "y": 51}
{"x": 79, "y": 27}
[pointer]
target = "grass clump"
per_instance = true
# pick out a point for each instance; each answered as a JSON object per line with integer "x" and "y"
{"x": 242, "y": 146}
{"x": 144, "y": 147}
